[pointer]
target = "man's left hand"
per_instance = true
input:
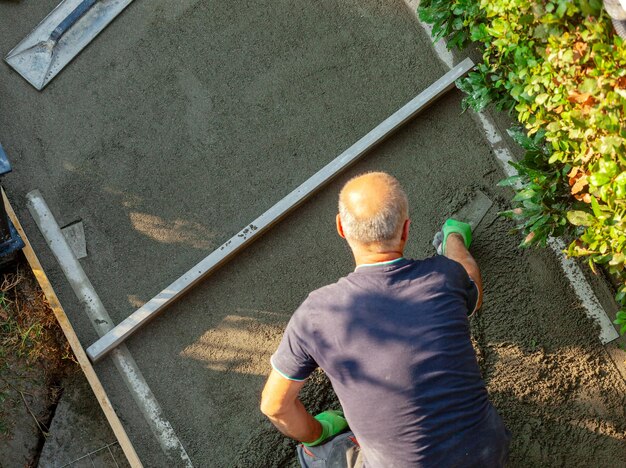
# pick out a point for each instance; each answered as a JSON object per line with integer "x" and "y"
{"x": 332, "y": 422}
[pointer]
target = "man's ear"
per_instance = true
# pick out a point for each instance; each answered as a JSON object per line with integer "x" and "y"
{"x": 405, "y": 230}
{"x": 340, "y": 227}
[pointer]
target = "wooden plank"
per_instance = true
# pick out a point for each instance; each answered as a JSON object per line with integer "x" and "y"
{"x": 79, "y": 352}
{"x": 257, "y": 227}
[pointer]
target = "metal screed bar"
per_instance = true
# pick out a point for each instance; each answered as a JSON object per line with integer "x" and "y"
{"x": 257, "y": 227}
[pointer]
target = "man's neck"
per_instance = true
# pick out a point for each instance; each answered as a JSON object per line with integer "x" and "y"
{"x": 368, "y": 258}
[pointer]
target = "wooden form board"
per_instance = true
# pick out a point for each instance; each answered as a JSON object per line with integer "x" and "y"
{"x": 70, "y": 334}
{"x": 257, "y": 227}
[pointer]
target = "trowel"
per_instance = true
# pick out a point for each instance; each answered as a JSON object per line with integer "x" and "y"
{"x": 475, "y": 210}
{"x": 471, "y": 213}
{"x": 60, "y": 37}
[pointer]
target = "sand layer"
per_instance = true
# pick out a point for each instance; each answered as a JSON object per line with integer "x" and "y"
{"x": 185, "y": 120}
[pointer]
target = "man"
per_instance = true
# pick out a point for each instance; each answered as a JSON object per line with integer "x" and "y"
{"x": 393, "y": 338}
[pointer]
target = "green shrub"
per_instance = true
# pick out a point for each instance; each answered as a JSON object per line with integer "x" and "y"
{"x": 560, "y": 69}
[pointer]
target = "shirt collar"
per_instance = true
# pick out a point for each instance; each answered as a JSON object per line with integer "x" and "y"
{"x": 389, "y": 262}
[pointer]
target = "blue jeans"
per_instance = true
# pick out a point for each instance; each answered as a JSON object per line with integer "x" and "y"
{"x": 342, "y": 451}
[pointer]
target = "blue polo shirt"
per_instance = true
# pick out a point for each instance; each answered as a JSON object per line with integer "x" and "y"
{"x": 394, "y": 340}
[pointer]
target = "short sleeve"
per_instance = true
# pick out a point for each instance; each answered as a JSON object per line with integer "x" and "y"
{"x": 472, "y": 296}
{"x": 292, "y": 359}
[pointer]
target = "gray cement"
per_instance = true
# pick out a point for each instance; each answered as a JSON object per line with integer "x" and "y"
{"x": 185, "y": 120}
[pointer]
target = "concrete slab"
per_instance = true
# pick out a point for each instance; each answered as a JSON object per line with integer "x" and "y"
{"x": 79, "y": 433}
{"x": 184, "y": 120}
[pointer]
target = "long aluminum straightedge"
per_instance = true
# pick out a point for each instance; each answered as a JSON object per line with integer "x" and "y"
{"x": 252, "y": 231}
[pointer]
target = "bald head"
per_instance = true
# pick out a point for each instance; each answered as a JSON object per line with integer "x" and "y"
{"x": 373, "y": 208}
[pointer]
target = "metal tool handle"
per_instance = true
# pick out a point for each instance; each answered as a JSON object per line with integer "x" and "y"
{"x": 71, "y": 19}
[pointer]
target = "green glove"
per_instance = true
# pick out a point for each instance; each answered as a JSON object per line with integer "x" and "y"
{"x": 332, "y": 422}
{"x": 459, "y": 227}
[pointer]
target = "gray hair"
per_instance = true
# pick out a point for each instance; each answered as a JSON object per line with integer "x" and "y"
{"x": 385, "y": 224}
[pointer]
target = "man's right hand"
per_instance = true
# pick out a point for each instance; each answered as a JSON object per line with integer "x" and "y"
{"x": 458, "y": 240}
{"x": 332, "y": 422}
{"x": 449, "y": 227}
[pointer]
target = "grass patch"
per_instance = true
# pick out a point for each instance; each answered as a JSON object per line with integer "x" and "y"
{"x": 34, "y": 354}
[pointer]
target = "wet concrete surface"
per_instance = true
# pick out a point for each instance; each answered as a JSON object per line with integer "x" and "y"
{"x": 184, "y": 121}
